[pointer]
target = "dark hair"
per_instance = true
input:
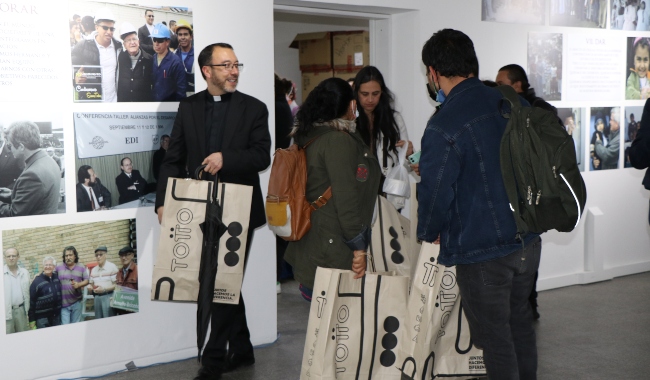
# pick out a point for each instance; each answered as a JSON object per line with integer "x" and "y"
{"x": 206, "y": 54}
{"x": 282, "y": 87}
{"x": 328, "y": 101}
{"x": 517, "y": 73}
{"x": 641, "y": 42}
{"x": 122, "y": 160}
{"x": 172, "y": 21}
{"x": 26, "y": 133}
{"x": 490, "y": 83}
{"x": 164, "y": 23}
{"x": 82, "y": 173}
{"x": 88, "y": 22}
{"x": 147, "y": 10}
{"x": 384, "y": 113}
{"x": 73, "y": 249}
{"x": 164, "y": 136}
{"x": 75, "y": 16}
{"x": 451, "y": 54}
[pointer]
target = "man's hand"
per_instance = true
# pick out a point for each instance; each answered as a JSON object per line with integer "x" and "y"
{"x": 74, "y": 284}
{"x": 5, "y": 194}
{"x": 99, "y": 290}
{"x": 160, "y": 213}
{"x": 213, "y": 163}
{"x": 132, "y": 187}
{"x": 359, "y": 263}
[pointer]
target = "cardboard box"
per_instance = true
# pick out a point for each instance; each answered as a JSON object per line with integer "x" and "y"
{"x": 315, "y": 50}
{"x": 311, "y": 79}
{"x": 350, "y": 49}
{"x": 346, "y": 74}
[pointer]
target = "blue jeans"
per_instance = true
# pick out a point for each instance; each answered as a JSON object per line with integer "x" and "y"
{"x": 495, "y": 299}
{"x": 71, "y": 314}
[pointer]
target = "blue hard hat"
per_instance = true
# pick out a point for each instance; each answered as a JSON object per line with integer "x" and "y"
{"x": 161, "y": 31}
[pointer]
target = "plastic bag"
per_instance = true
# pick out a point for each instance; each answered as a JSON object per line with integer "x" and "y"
{"x": 397, "y": 180}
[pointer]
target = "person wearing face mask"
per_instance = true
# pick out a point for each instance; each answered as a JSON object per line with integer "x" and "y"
{"x": 337, "y": 158}
{"x": 380, "y": 126}
{"x": 464, "y": 207}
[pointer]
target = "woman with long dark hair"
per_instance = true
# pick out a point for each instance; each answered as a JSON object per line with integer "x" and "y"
{"x": 337, "y": 157}
{"x": 381, "y": 127}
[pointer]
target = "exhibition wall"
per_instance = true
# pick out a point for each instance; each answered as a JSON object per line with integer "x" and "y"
{"x": 612, "y": 239}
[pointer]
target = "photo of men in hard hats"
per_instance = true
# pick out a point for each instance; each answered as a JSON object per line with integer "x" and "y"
{"x": 115, "y": 60}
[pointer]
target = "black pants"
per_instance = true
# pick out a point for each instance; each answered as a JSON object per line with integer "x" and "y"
{"x": 228, "y": 328}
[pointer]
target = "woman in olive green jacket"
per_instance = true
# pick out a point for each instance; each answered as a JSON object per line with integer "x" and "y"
{"x": 337, "y": 157}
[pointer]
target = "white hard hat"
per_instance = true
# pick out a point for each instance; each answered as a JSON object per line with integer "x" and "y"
{"x": 127, "y": 28}
{"x": 104, "y": 14}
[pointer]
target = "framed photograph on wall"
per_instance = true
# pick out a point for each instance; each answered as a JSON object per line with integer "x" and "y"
{"x": 130, "y": 52}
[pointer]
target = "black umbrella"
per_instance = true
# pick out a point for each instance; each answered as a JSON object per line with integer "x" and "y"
{"x": 213, "y": 228}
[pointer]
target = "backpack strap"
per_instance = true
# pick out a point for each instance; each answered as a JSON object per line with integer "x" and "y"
{"x": 510, "y": 94}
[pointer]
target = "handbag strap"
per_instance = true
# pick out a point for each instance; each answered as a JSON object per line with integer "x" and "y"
{"x": 321, "y": 200}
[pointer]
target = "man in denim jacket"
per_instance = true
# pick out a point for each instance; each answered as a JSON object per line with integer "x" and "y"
{"x": 463, "y": 204}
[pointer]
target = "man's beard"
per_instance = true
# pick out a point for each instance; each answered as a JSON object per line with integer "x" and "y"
{"x": 223, "y": 85}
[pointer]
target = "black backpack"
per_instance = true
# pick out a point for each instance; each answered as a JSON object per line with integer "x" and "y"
{"x": 539, "y": 169}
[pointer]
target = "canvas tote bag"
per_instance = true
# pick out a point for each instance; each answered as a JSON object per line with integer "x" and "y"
{"x": 390, "y": 245}
{"x": 354, "y": 326}
{"x": 235, "y": 201}
{"x": 176, "y": 271}
{"x": 436, "y": 340}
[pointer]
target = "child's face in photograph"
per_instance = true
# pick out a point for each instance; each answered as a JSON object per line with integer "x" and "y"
{"x": 641, "y": 60}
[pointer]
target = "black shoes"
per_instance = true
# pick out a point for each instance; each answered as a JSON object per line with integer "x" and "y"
{"x": 234, "y": 361}
{"x": 209, "y": 373}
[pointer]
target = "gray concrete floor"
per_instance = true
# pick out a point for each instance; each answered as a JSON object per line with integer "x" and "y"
{"x": 594, "y": 332}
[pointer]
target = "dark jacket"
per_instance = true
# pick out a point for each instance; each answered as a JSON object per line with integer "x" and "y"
{"x": 283, "y": 124}
{"x": 158, "y": 158}
{"x": 37, "y": 189}
{"x": 134, "y": 85}
{"x": 639, "y": 152}
{"x": 123, "y": 182}
{"x": 146, "y": 43}
{"x": 44, "y": 297}
{"x": 169, "y": 83}
{"x": 345, "y": 162}
{"x": 536, "y": 101}
{"x": 246, "y": 146}
{"x": 10, "y": 168}
{"x": 609, "y": 154}
{"x": 188, "y": 64}
{"x": 461, "y": 195}
{"x": 86, "y": 53}
{"x": 101, "y": 193}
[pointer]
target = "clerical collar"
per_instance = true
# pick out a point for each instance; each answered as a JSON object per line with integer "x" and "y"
{"x": 222, "y": 98}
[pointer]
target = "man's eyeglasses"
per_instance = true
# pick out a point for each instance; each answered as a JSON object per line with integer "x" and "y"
{"x": 112, "y": 29}
{"x": 131, "y": 40}
{"x": 99, "y": 254}
{"x": 159, "y": 40}
{"x": 230, "y": 66}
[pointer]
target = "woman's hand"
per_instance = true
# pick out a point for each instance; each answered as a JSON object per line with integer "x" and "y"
{"x": 409, "y": 148}
{"x": 359, "y": 263}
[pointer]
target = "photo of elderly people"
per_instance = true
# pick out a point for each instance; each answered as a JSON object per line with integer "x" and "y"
{"x": 32, "y": 168}
{"x": 54, "y": 278}
{"x": 131, "y": 53}
{"x": 605, "y": 134}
